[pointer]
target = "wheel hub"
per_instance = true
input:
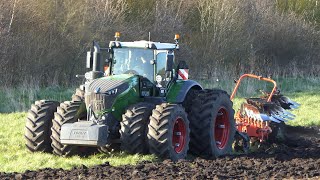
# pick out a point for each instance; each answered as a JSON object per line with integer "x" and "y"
{"x": 179, "y": 135}
{"x": 221, "y": 128}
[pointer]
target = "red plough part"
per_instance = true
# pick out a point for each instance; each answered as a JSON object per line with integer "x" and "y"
{"x": 256, "y": 114}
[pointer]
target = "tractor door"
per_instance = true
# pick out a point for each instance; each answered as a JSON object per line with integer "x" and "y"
{"x": 161, "y": 61}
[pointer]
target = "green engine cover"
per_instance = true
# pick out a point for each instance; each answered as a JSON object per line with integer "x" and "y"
{"x": 113, "y": 94}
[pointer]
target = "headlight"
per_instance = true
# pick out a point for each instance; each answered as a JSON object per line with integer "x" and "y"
{"x": 111, "y": 92}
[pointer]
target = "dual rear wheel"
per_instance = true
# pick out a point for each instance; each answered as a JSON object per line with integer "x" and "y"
{"x": 212, "y": 124}
{"x": 209, "y": 127}
{"x": 168, "y": 132}
{"x": 163, "y": 130}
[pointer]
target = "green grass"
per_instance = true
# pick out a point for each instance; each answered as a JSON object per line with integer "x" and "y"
{"x": 308, "y": 113}
{"x": 14, "y": 156}
{"x": 20, "y": 98}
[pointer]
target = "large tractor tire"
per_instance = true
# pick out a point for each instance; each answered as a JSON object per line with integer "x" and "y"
{"x": 187, "y": 103}
{"x": 38, "y": 124}
{"x": 67, "y": 112}
{"x": 78, "y": 95}
{"x": 168, "y": 132}
{"x": 212, "y": 124}
{"x": 133, "y": 132}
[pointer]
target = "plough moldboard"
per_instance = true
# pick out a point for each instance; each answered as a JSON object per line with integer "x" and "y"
{"x": 256, "y": 114}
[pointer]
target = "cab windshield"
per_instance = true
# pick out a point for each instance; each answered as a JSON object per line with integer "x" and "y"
{"x": 133, "y": 61}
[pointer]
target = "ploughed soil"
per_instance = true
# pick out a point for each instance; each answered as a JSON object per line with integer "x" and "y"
{"x": 298, "y": 158}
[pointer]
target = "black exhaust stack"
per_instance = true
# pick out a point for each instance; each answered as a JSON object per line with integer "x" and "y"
{"x": 94, "y": 62}
{"x": 96, "y": 57}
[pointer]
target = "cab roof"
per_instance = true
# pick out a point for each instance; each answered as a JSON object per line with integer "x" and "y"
{"x": 144, "y": 44}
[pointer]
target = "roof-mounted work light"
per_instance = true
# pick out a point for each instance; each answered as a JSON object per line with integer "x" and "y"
{"x": 117, "y": 36}
{"x": 176, "y": 38}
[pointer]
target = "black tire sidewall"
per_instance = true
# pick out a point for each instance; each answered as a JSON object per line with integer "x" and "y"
{"x": 46, "y": 110}
{"x": 223, "y": 102}
{"x": 142, "y": 133}
{"x": 179, "y": 112}
{"x": 160, "y": 131}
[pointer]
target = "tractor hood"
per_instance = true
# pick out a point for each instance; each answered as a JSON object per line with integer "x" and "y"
{"x": 105, "y": 85}
{"x": 106, "y": 94}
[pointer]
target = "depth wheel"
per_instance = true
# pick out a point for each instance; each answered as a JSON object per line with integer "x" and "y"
{"x": 212, "y": 124}
{"x": 38, "y": 124}
{"x": 278, "y": 133}
{"x": 133, "y": 130}
{"x": 67, "y": 112}
{"x": 168, "y": 132}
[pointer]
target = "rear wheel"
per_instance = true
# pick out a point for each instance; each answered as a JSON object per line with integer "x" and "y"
{"x": 67, "y": 112}
{"x": 168, "y": 132}
{"x": 134, "y": 128}
{"x": 38, "y": 124}
{"x": 187, "y": 103}
{"x": 212, "y": 124}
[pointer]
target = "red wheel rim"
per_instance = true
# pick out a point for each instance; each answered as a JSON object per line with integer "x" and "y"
{"x": 222, "y": 128}
{"x": 179, "y": 135}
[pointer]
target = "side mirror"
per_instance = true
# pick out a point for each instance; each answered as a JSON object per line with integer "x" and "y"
{"x": 108, "y": 60}
{"x": 169, "y": 62}
{"x": 89, "y": 60}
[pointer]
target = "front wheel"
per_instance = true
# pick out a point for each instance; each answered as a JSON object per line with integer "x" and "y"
{"x": 133, "y": 128}
{"x": 38, "y": 124}
{"x": 78, "y": 95}
{"x": 212, "y": 124}
{"x": 168, "y": 132}
{"x": 67, "y": 112}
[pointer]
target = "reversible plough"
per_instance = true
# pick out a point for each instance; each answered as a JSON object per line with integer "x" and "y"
{"x": 257, "y": 118}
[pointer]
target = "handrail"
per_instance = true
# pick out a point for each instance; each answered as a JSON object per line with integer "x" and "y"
{"x": 255, "y": 77}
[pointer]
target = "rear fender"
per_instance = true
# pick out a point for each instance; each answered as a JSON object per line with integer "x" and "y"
{"x": 178, "y": 91}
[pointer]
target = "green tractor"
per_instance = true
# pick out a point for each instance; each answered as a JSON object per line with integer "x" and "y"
{"x": 136, "y": 98}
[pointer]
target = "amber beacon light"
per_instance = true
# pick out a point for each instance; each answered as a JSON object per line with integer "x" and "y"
{"x": 176, "y": 37}
{"x": 117, "y": 35}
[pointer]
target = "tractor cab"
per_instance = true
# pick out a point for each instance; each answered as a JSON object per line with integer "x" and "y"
{"x": 151, "y": 60}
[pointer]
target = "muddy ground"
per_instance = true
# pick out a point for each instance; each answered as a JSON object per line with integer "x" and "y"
{"x": 298, "y": 157}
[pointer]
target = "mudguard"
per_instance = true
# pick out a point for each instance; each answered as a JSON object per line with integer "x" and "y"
{"x": 178, "y": 91}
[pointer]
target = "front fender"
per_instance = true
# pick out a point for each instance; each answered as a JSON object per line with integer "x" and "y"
{"x": 178, "y": 91}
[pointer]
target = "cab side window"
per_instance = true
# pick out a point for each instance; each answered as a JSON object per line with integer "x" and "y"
{"x": 161, "y": 64}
